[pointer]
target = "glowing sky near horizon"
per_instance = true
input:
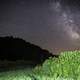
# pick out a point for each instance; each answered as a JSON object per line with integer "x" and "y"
{"x": 48, "y": 23}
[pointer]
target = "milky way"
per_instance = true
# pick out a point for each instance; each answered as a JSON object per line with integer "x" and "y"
{"x": 66, "y": 22}
{"x": 51, "y": 24}
{"x": 69, "y": 25}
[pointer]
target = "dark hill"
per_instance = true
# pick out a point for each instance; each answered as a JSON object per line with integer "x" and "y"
{"x": 18, "y": 49}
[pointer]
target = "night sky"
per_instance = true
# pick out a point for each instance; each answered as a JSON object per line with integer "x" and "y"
{"x": 48, "y": 23}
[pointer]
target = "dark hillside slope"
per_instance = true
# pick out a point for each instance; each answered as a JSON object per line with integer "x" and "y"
{"x": 18, "y": 49}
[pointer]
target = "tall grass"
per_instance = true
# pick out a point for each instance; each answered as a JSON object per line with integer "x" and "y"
{"x": 65, "y": 67}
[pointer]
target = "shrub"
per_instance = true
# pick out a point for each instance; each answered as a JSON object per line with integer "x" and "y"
{"x": 67, "y": 66}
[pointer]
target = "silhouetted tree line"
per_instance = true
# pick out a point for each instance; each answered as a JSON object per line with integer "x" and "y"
{"x": 18, "y": 49}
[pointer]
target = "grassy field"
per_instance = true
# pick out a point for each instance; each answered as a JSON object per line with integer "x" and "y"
{"x": 65, "y": 67}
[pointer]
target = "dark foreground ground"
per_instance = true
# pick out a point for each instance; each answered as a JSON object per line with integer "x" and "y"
{"x": 15, "y": 65}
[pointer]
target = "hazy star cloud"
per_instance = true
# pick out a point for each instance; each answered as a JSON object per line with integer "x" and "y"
{"x": 65, "y": 21}
{"x": 70, "y": 26}
{"x": 56, "y": 6}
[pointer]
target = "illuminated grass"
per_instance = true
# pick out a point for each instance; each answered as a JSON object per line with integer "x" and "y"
{"x": 66, "y": 67}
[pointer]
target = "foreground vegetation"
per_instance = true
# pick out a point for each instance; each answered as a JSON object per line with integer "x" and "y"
{"x": 65, "y": 67}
